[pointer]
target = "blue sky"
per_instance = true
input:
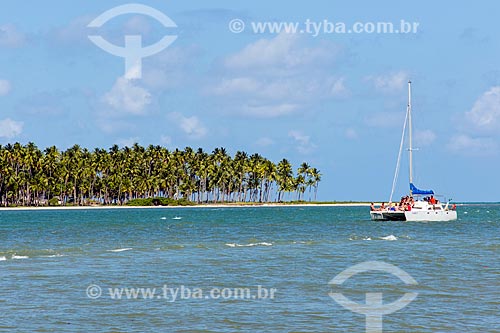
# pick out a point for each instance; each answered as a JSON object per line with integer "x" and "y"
{"x": 335, "y": 100}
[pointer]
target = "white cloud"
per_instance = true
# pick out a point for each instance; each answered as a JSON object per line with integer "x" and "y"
{"x": 172, "y": 68}
{"x": 76, "y": 31}
{"x": 481, "y": 126}
{"x": 127, "y": 142}
{"x": 385, "y": 119}
{"x": 351, "y": 134}
{"x": 10, "y": 36}
{"x": 264, "y": 142}
{"x": 389, "y": 83}
{"x": 424, "y": 138}
{"x": 165, "y": 140}
{"x": 5, "y": 87}
{"x": 112, "y": 126}
{"x": 472, "y": 146}
{"x": 485, "y": 113}
{"x": 338, "y": 88}
{"x": 280, "y": 53}
{"x": 269, "y": 111}
{"x": 128, "y": 97}
{"x": 275, "y": 77}
{"x": 10, "y": 128}
{"x": 265, "y": 89}
{"x": 233, "y": 85}
{"x": 303, "y": 142}
{"x": 73, "y": 33}
{"x": 138, "y": 25}
{"x": 191, "y": 126}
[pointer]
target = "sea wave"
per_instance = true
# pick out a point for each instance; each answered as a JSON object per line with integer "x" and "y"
{"x": 369, "y": 238}
{"x": 121, "y": 250}
{"x": 2, "y": 258}
{"x": 249, "y": 244}
{"x": 304, "y": 242}
{"x": 57, "y": 255}
{"x": 19, "y": 257}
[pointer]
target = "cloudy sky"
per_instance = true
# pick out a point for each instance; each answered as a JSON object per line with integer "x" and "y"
{"x": 336, "y": 100}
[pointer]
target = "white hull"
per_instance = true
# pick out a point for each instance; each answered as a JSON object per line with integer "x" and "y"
{"x": 421, "y": 211}
{"x": 432, "y": 216}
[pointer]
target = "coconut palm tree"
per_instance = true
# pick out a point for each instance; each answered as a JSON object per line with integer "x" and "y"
{"x": 284, "y": 178}
{"x": 29, "y": 176}
{"x": 316, "y": 178}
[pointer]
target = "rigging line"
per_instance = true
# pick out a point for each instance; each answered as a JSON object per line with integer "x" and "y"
{"x": 396, "y": 173}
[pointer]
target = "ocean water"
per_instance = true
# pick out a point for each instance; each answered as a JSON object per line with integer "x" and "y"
{"x": 53, "y": 264}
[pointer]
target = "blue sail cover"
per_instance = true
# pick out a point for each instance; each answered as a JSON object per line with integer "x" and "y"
{"x": 416, "y": 191}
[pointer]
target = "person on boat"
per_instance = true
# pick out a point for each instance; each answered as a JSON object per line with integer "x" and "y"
{"x": 372, "y": 207}
{"x": 432, "y": 200}
{"x": 382, "y": 206}
{"x": 454, "y": 207}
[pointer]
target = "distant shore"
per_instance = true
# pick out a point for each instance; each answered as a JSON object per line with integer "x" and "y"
{"x": 219, "y": 205}
{"x": 224, "y": 205}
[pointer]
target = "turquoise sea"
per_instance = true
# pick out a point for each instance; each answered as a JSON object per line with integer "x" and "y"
{"x": 54, "y": 262}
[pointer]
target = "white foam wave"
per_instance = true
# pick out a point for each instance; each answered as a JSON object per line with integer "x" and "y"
{"x": 177, "y": 218}
{"x": 367, "y": 238}
{"x": 19, "y": 257}
{"x": 57, "y": 255}
{"x": 389, "y": 238}
{"x": 163, "y": 218}
{"x": 2, "y": 258}
{"x": 249, "y": 245}
{"x": 121, "y": 250}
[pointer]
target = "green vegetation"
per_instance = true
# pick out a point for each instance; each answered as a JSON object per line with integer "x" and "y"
{"x": 141, "y": 176}
{"x": 159, "y": 202}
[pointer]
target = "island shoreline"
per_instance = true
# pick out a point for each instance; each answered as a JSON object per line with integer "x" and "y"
{"x": 269, "y": 205}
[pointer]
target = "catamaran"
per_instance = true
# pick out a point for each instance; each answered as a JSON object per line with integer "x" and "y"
{"x": 420, "y": 205}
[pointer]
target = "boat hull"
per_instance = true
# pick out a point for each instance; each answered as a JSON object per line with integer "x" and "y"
{"x": 388, "y": 216}
{"x": 415, "y": 215}
{"x": 431, "y": 215}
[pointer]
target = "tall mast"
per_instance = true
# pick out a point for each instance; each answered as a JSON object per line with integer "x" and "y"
{"x": 410, "y": 146}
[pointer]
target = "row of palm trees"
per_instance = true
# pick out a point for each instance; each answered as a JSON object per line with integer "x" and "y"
{"x": 31, "y": 177}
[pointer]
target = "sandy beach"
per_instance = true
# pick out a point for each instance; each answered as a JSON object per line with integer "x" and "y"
{"x": 360, "y": 204}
